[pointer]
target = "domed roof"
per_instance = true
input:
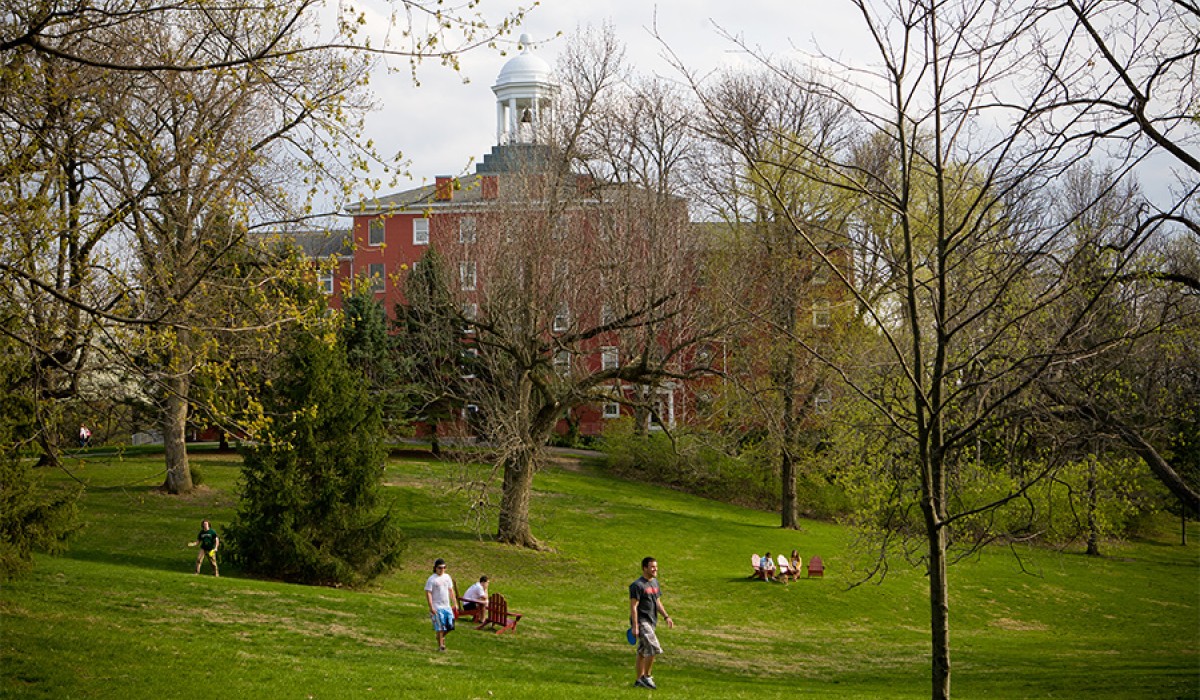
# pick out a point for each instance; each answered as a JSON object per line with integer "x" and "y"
{"x": 525, "y": 68}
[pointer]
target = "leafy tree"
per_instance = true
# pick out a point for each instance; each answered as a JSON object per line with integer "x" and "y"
{"x": 783, "y": 287}
{"x": 171, "y": 114}
{"x": 309, "y": 504}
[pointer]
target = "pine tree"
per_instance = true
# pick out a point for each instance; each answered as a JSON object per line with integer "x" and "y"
{"x": 32, "y": 519}
{"x": 311, "y": 485}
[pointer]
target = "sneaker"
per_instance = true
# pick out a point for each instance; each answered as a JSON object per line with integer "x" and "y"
{"x": 640, "y": 683}
{"x": 648, "y": 681}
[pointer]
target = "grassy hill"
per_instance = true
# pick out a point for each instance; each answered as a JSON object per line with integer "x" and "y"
{"x": 121, "y": 614}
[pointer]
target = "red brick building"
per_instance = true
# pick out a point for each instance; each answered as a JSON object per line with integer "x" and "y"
{"x": 460, "y": 217}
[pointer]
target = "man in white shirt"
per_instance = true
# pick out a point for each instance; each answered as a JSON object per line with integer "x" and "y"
{"x": 439, "y": 591}
{"x": 476, "y": 598}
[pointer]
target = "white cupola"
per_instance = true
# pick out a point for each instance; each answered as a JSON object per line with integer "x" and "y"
{"x": 525, "y": 92}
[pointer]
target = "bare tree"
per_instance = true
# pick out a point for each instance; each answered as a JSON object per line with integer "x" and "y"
{"x": 1140, "y": 61}
{"x": 91, "y": 32}
{"x": 578, "y": 276}
{"x": 963, "y": 133}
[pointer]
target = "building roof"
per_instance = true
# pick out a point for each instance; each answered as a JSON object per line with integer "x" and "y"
{"x": 315, "y": 244}
{"x": 511, "y": 159}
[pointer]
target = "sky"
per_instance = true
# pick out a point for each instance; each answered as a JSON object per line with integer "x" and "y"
{"x": 443, "y": 124}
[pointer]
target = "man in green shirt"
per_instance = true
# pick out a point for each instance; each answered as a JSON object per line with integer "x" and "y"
{"x": 209, "y": 544}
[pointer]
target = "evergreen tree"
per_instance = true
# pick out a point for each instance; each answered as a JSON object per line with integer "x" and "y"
{"x": 369, "y": 349}
{"x": 311, "y": 485}
{"x": 31, "y": 518}
{"x": 429, "y": 339}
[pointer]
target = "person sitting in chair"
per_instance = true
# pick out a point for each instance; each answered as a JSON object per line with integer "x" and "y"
{"x": 476, "y": 598}
{"x": 768, "y": 567}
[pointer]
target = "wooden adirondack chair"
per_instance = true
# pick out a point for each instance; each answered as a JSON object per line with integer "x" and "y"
{"x": 785, "y": 570}
{"x": 499, "y": 617}
{"x": 816, "y": 568}
{"x": 756, "y": 564}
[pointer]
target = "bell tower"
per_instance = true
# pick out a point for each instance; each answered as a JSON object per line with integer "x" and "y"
{"x": 525, "y": 93}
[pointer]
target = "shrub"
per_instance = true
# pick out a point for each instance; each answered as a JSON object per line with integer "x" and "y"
{"x": 695, "y": 462}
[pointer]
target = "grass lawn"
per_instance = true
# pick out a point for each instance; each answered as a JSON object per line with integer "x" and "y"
{"x": 121, "y": 614}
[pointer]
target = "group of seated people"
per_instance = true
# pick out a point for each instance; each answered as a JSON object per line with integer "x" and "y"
{"x": 786, "y": 569}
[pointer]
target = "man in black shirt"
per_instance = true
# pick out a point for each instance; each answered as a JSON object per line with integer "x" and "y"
{"x": 644, "y": 609}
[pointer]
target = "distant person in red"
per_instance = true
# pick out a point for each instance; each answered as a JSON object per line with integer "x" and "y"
{"x": 644, "y": 609}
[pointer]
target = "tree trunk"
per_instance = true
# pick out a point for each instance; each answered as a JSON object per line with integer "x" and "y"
{"x": 514, "y": 503}
{"x": 789, "y": 517}
{"x": 939, "y": 609}
{"x": 49, "y": 455}
{"x": 174, "y": 424}
{"x": 1093, "y": 541}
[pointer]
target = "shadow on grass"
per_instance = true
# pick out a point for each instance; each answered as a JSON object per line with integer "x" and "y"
{"x": 413, "y": 532}
{"x": 181, "y": 565}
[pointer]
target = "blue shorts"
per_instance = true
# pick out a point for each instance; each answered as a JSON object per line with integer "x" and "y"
{"x": 443, "y": 620}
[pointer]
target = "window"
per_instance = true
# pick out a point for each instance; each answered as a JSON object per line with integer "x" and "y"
{"x": 612, "y": 409}
{"x": 466, "y": 229}
{"x": 420, "y": 231}
{"x": 820, "y": 273}
{"x": 610, "y": 357}
{"x": 378, "y": 277}
{"x": 325, "y": 281}
{"x": 562, "y": 318}
{"x": 470, "y": 360}
{"x": 375, "y": 231}
{"x": 470, "y": 312}
{"x": 562, "y": 362}
{"x": 466, "y": 275}
{"x": 822, "y": 316}
{"x": 607, "y": 315}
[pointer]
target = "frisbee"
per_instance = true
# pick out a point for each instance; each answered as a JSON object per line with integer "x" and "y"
{"x": 629, "y": 636}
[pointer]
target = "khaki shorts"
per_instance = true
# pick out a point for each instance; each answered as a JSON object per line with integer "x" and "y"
{"x": 648, "y": 641}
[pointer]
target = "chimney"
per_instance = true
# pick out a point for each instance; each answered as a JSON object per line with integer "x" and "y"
{"x": 443, "y": 189}
{"x": 489, "y": 187}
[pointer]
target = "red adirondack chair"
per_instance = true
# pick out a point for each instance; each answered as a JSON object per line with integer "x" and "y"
{"x": 499, "y": 617}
